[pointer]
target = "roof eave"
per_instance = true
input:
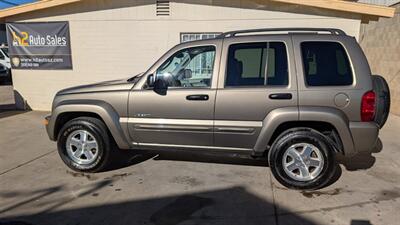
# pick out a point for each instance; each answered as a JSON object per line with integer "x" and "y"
{"x": 365, "y": 10}
{"x": 43, "y": 4}
{"x": 346, "y": 6}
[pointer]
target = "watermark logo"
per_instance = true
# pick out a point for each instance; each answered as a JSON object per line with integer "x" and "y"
{"x": 16, "y": 61}
{"x": 25, "y": 39}
{"x": 20, "y": 40}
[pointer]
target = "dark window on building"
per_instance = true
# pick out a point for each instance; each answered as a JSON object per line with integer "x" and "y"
{"x": 247, "y": 64}
{"x": 326, "y": 64}
{"x": 185, "y": 37}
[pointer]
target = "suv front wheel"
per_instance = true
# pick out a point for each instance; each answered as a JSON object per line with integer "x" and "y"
{"x": 84, "y": 144}
{"x": 302, "y": 158}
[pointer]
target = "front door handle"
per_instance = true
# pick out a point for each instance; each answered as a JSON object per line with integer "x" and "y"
{"x": 280, "y": 96}
{"x": 197, "y": 97}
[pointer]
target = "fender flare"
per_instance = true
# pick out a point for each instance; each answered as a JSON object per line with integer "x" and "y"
{"x": 336, "y": 118}
{"x": 104, "y": 110}
{"x": 329, "y": 115}
{"x": 274, "y": 118}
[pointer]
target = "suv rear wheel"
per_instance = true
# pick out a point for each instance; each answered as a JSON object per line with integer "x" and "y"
{"x": 84, "y": 145}
{"x": 302, "y": 158}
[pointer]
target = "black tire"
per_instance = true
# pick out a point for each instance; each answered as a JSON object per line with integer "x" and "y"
{"x": 7, "y": 79}
{"x": 297, "y": 136}
{"x": 382, "y": 91}
{"x": 99, "y": 131}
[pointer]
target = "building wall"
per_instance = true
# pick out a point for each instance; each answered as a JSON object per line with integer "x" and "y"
{"x": 117, "y": 39}
{"x": 381, "y": 43}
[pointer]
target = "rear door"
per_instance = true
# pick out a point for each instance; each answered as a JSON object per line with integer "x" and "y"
{"x": 256, "y": 76}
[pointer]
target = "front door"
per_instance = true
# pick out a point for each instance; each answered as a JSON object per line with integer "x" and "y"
{"x": 184, "y": 115}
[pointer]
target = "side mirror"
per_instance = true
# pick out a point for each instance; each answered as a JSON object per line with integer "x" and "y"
{"x": 160, "y": 87}
{"x": 150, "y": 80}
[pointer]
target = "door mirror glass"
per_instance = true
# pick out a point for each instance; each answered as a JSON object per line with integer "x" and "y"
{"x": 160, "y": 87}
{"x": 150, "y": 80}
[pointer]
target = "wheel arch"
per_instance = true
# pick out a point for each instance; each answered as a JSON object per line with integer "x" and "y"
{"x": 318, "y": 118}
{"x": 324, "y": 128}
{"x": 68, "y": 110}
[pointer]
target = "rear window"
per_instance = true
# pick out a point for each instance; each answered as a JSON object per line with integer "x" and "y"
{"x": 326, "y": 64}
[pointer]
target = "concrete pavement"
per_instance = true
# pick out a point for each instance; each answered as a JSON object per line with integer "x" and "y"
{"x": 185, "y": 187}
{"x": 7, "y": 99}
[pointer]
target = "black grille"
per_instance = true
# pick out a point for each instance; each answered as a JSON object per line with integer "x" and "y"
{"x": 162, "y": 8}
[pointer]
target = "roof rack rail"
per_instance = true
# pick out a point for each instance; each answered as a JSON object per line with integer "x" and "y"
{"x": 330, "y": 30}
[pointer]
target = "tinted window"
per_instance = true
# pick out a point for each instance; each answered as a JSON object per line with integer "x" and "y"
{"x": 247, "y": 64}
{"x": 326, "y": 64}
{"x": 5, "y": 51}
{"x": 192, "y": 67}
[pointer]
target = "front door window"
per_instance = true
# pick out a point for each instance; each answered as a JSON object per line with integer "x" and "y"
{"x": 191, "y": 67}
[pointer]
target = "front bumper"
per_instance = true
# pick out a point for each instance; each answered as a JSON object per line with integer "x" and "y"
{"x": 49, "y": 124}
{"x": 365, "y": 135}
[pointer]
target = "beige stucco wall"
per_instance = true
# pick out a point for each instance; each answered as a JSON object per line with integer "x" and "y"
{"x": 114, "y": 39}
{"x": 381, "y": 43}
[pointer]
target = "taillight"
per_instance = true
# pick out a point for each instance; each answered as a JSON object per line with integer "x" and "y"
{"x": 368, "y": 107}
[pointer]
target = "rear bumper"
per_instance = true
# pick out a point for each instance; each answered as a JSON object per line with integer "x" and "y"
{"x": 365, "y": 135}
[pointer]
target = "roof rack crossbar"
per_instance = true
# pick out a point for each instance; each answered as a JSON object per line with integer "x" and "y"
{"x": 330, "y": 30}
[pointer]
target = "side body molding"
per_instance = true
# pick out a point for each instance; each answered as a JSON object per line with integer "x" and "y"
{"x": 333, "y": 116}
{"x": 101, "y": 108}
{"x": 271, "y": 122}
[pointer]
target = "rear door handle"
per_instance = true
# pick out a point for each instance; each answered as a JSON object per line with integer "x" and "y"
{"x": 280, "y": 96}
{"x": 197, "y": 97}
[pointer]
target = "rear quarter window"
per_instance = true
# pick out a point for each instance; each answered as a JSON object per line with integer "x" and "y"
{"x": 325, "y": 64}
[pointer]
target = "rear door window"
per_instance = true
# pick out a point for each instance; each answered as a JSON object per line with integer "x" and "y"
{"x": 248, "y": 63}
{"x": 326, "y": 64}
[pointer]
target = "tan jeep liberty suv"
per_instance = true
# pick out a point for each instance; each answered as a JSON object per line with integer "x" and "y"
{"x": 298, "y": 96}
